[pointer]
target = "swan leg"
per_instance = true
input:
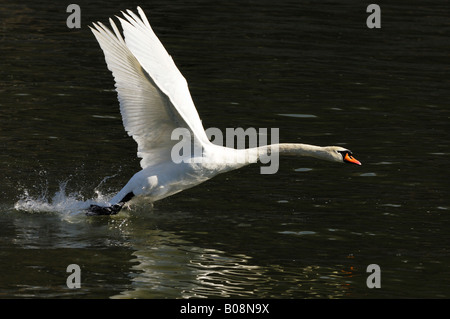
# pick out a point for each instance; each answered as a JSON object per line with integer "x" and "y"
{"x": 96, "y": 210}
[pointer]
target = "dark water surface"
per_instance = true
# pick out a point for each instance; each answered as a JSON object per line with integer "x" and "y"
{"x": 315, "y": 71}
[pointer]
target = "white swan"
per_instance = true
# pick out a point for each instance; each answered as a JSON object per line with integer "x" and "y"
{"x": 155, "y": 100}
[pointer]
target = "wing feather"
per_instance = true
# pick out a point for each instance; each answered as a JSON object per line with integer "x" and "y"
{"x": 152, "y": 93}
{"x": 151, "y": 54}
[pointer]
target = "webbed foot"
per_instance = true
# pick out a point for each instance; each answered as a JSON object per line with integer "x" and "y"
{"x": 95, "y": 210}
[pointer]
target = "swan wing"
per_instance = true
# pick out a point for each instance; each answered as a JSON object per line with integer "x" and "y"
{"x": 153, "y": 95}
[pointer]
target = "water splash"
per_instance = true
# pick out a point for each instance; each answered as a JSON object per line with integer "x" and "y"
{"x": 62, "y": 202}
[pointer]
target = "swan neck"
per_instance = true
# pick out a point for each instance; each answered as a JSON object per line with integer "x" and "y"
{"x": 295, "y": 150}
{"x": 231, "y": 158}
{"x": 300, "y": 149}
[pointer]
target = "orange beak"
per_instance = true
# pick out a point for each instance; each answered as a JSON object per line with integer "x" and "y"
{"x": 351, "y": 159}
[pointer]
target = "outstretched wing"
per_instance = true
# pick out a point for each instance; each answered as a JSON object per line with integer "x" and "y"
{"x": 153, "y": 95}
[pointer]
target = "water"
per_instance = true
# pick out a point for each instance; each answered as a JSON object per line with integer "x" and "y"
{"x": 315, "y": 71}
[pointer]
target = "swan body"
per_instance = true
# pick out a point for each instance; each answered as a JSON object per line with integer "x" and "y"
{"x": 154, "y": 101}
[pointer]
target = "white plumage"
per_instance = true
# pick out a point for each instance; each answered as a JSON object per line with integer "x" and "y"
{"x": 154, "y": 101}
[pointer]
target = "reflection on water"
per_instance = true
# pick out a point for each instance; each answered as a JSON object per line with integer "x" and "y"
{"x": 148, "y": 262}
{"x": 185, "y": 271}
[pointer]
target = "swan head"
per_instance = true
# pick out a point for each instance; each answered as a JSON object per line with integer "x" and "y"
{"x": 341, "y": 155}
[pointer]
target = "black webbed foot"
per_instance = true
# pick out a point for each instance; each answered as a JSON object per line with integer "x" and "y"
{"x": 95, "y": 210}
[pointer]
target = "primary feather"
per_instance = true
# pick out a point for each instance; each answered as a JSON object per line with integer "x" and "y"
{"x": 153, "y": 95}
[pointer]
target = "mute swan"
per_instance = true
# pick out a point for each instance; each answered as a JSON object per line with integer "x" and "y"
{"x": 154, "y": 101}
